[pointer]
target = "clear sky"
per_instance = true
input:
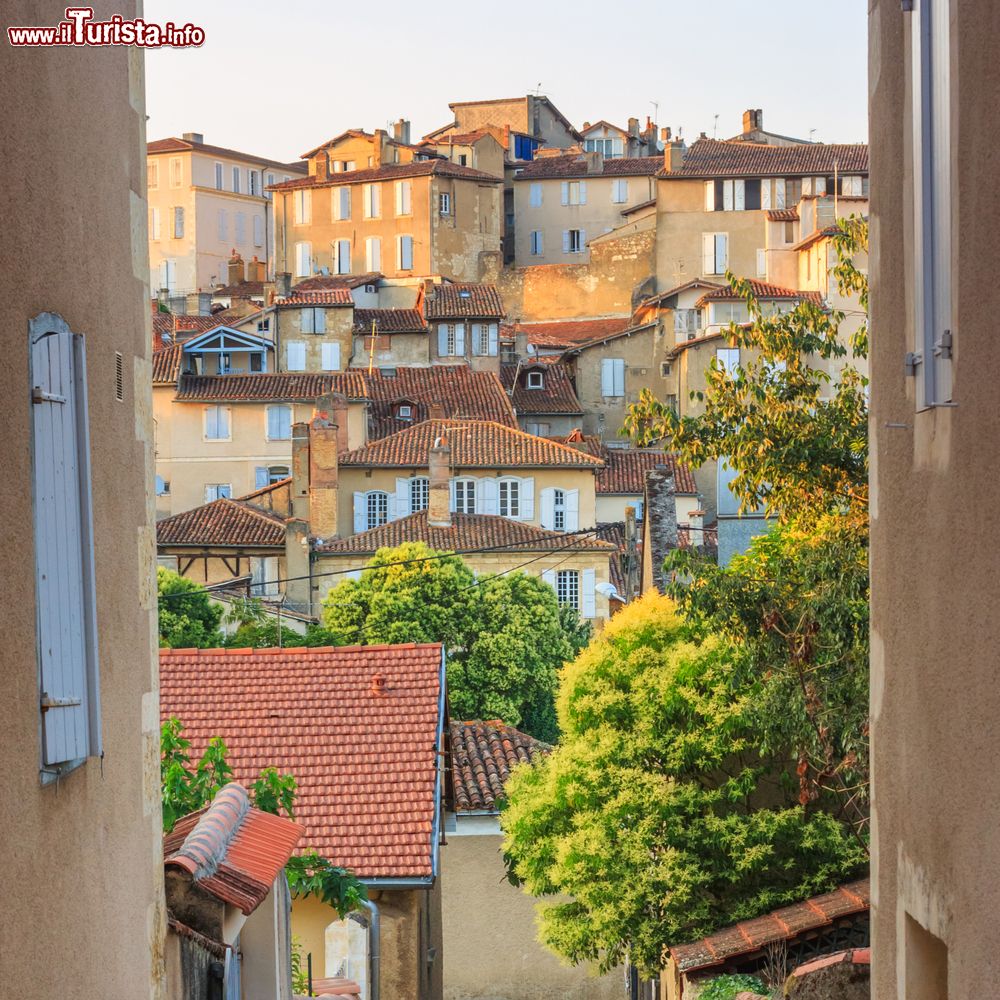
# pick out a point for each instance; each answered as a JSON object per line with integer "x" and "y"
{"x": 277, "y": 79}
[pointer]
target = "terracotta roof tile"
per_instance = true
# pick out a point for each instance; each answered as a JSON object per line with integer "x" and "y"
{"x": 572, "y": 332}
{"x": 474, "y": 443}
{"x": 365, "y": 764}
{"x": 325, "y": 282}
{"x": 223, "y": 522}
{"x": 275, "y": 386}
{"x": 454, "y": 300}
{"x": 761, "y": 290}
{"x": 175, "y": 145}
{"x": 574, "y": 165}
{"x": 783, "y": 215}
{"x": 470, "y": 532}
{"x": 167, "y": 364}
{"x": 390, "y": 172}
{"x": 482, "y": 757}
{"x": 231, "y": 850}
{"x": 240, "y": 290}
{"x": 625, "y": 471}
{"x": 709, "y": 537}
{"x": 317, "y": 297}
{"x": 389, "y": 321}
{"x": 556, "y": 395}
{"x": 715, "y": 158}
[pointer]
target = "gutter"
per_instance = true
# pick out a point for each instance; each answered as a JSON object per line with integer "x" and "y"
{"x": 438, "y": 759}
{"x": 374, "y": 949}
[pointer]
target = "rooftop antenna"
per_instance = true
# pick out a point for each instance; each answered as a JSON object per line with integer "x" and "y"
{"x": 538, "y": 89}
{"x": 656, "y": 110}
{"x": 812, "y": 132}
{"x": 715, "y": 128}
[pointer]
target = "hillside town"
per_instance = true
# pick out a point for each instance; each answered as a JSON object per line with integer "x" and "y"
{"x": 516, "y": 561}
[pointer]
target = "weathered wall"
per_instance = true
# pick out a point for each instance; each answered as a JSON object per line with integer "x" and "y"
{"x": 216, "y": 568}
{"x": 464, "y": 241}
{"x": 478, "y": 901}
{"x": 338, "y": 329}
{"x": 83, "y": 906}
{"x": 934, "y": 696}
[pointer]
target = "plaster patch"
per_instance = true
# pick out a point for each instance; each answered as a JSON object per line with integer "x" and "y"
{"x": 876, "y": 684}
{"x": 139, "y": 238}
{"x": 147, "y": 566}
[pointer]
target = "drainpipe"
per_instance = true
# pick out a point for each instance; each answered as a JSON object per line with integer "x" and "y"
{"x": 373, "y": 948}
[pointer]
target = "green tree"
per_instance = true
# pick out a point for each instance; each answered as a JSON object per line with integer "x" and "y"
{"x": 187, "y": 618}
{"x": 657, "y": 818}
{"x": 256, "y": 627}
{"x": 505, "y": 636}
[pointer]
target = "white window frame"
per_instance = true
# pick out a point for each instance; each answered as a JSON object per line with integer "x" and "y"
{"x": 509, "y": 497}
{"x": 568, "y": 587}
{"x": 252, "y": 183}
{"x": 419, "y": 491}
{"x": 218, "y": 491}
{"x": 535, "y": 380}
{"x": 575, "y": 237}
{"x": 215, "y": 415}
{"x": 464, "y": 493}
{"x": 258, "y": 231}
{"x": 444, "y": 203}
{"x": 729, "y": 359}
{"x": 715, "y": 254}
{"x": 376, "y": 505}
{"x": 176, "y": 172}
{"x": 558, "y": 510}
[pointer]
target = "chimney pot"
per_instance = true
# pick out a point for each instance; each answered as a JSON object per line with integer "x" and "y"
{"x": 236, "y": 270}
{"x": 378, "y": 685}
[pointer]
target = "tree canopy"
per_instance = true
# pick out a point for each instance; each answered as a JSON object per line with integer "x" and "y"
{"x": 187, "y": 618}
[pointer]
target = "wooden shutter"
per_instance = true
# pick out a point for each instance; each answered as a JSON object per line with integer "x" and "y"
{"x": 154, "y": 223}
{"x": 721, "y": 253}
{"x": 527, "y": 499}
{"x": 360, "y": 513}
{"x": 65, "y": 600}
{"x": 588, "y": 595}
{"x": 306, "y": 320}
{"x": 739, "y": 195}
{"x": 460, "y": 339}
{"x": 549, "y": 576}
{"x": 709, "y": 196}
{"x": 403, "y": 505}
{"x": 761, "y": 263}
{"x": 607, "y": 377}
{"x": 493, "y": 336}
{"x": 583, "y": 192}
{"x": 765, "y": 193}
{"x": 296, "y": 356}
{"x": 565, "y": 241}
{"x": 487, "y": 496}
{"x": 442, "y": 340}
{"x": 779, "y": 192}
{"x": 319, "y": 321}
{"x": 572, "y": 503}
{"x": 708, "y": 253}
{"x": 273, "y": 423}
{"x": 547, "y": 515}
{"x": 331, "y": 357}
{"x": 619, "y": 376}
{"x": 565, "y": 193}
{"x": 260, "y": 477}
{"x": 727, "y": 196}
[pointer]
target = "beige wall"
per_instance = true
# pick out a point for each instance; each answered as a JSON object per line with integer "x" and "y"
{"x": 480, "y": 908}
{"x": 935, "y": 586}
{"x": 83, "y": 910}
{"x": 611, "y": 507}
{"x": 338, "y": 323}
{"x": 403, "y": 349}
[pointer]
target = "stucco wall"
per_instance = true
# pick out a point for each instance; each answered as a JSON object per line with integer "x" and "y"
{"x": 338, "y": 327}
{"x": 491, "y": 949}
{"x": 83, "y": 904}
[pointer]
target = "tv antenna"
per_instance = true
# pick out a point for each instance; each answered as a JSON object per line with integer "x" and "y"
{"x": 715, "y": 128}
{"x": 656, "y": 111}
{"x": 812, "y": 132}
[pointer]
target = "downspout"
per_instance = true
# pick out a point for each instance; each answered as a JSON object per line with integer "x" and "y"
{"x": 374, "y": 933}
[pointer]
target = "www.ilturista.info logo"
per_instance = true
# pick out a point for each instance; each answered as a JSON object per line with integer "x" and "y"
{"x": 80, "y": 28}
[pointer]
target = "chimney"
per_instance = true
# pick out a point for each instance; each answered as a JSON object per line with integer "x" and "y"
{"x": 283, "y": 284}
{"x": 322, "y": 166}
{"x": 335, "y": 403}
{"x": 178, "y": 305}
{"x": 586, "y": 125}
{"x": 665, "y": 133}
{"x": 256, "y": 270}
{"x": 199, "y": 303}
{"x": 435, "y": 411}
{"x": 702, "y": 135}
{"x": 401, "y": 131}
{"x": 193, "y": 137}
{"x": 378, "y": 146}
{"x": 378, "y": 685}
{"x": 676, "y": 151}
{"x": 753, "y": 119}
{"x": 298, "y": 595}
{"x": 236, "y": 272}
{"x": 323, "y": 473}
{"x": 633, "y": 126}
{"x": 439, "y": 503}
{"x": 300, "y": 471}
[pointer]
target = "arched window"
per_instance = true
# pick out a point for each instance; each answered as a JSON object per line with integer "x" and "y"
{"x": 377, "y": 502}
{"x": 465, "y": 496}
{"x": 419, "y": 493}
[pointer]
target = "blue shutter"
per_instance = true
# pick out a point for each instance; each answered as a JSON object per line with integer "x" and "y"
{"x": 460, "y": 339}
{"x": 442, "y": 340}
{"x": 493, "y": 336}
{"x": 66, "y": 613}
{"x": 260, "y": 477}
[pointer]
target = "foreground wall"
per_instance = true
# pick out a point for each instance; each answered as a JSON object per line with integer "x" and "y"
{"x": 82, "y": 911}
{"x": 934, "y": 694}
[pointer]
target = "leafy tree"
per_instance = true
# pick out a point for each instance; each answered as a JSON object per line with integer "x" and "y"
{"x": 256, "y": 627}
{"x": 187, "y": 618}
{"x": 657, "y": 818}
{"x": 730, "y": 987}
{"x": 505, "y": 636}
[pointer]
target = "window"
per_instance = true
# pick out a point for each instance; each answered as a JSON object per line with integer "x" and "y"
{"x": 535, "y": 195}
{"x": 153, "y": 175}
{"x": 510, "y": 498}
{"x": 217, "y": 491}
{"x": 236, "y": 179}
{"x": 709, "y": 196}
{"x": 729, "y": 359}
{"x": 761, "y": 263}
{"x": 373, "y": 254}
{"x": 404, "y": 253}
{"x": 178, "y": 222}
{"x": 263, "y": 576}
{"x": 536, "y": 243}
{"x": 264, "y": 325}
{"x": 484, "y": 339}
{"x": 687, "y": 323}
{"x": 613, "y": 377}
{"x": 275, "y": 473}
{"x": 372, "y": 201}
{"x": 342, "y": 261}
{"x": 257, "y": 361}
{"x": 404, "y": 411}
{"x": 463, "y": 160}
{"x": 154, "y": 223}
{"x": 619, "y": 191}
{"x": 176, "y": 172}
{"x": 539, "y": 429}
{"x": 420, "y": 488}
{"x": 241, "y": 228}
{"x": 330, "y": 357}
{"x": 852, "y": 186}
{"x": 403, "y": 194}
{"x": 536, "y": 380}
{"x": 574, "y": 241}
{"x": 63, "y": 547}
{"x": 932, "y": 202}
{"x": 270, "y": 181}
{"x": 312, "y": 319}
{"x": 340, "y": 203}
{"x": 465, "y": 496}
{"x": 258, "y": 231}
{"x": 252, "y": 182}
{"x": 715, "y": 253}
{"x": 789, "y": 232}
{"x": 609, "y": 148}
{"x": 568, "y": 587}
{"x": 219, "y": 186}
{"x": 302, "y": 203}
{"x": 451, "y": 340}
{"x": 223, "y": 227}
{"x": 303, "y": 260}
{"x": 279, "y": 422}
{"x": 779, "y": 192}
{"x": 296, "y": 356}
{"x": 162, "y": 487}
{"x": 574, "y": 193}
{"x": 377, "y": 503}
{"x": 559, "y": 510}
{"x": 168, "y": 274}
{"x": 217, "y": 423}
{"x": 444, "y": 203}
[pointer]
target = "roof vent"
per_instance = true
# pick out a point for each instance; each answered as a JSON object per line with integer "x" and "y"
{"x": 378, "y": 685}
{"x": 464, "y": 293}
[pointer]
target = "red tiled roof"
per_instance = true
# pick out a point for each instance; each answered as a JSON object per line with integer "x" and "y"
{"x": 785, "y": 924}
{"x": 468, "y": 532}
{"x": 276, "y": 497}
{"x": 613, "y": 532}
{"x": 709, "y": 536}
{"x": 231, "y": 850}
{"x": 389, "y": 321}
{"x": 474, "y": 443}
{"x": 571, "y": 332}
{"x": 625, "y": 471}
{"x": 175, "y": 145}
{"x": 223, "y": 522}
{"x": 391, "y": 172}
{"x": 815, "y": 236}
{"x": 574, "y": 165}
{"x": 325, "y": 297}
{"x": 167, "y": 364}
{"x": 557, "y": 394}
{"x": 240, "y": 290}
{"x": 783, "y": 215}
{"x": 364, "y": 758}
{"x": 715, "y": 158}
{"x": 761, "y": 290}
{"x": 324, "y": 282}
{"x": 482, "y": 757}
{"x": 454, "y": 300}
{"x": 660, "y": 297}
{"x": 275, "y": 386}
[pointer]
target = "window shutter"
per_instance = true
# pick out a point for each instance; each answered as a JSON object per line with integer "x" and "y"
{"x": 765, "y": 193}
{"x": 66, "y": 615}
{"x": 360, "y": 513}
{"x": 549, "y": 576}
{"x": 493, "y": 339}
{"x": 345, "y": 203}
{"x": 709, "y": 196}
{"x": 547, "y": 516}
{"x": 442, "y": 340}
{"x": 319, "y": 321}
{"x": 588, "y": 602}
{"x": 260, "y": 477}
{"x": 708, "y": 253}
{"x": 474, "y": 333}
{"x": 565, "y": 241}
{"x": 527, "y": 499}
{"x": 721, "y": 253}
{"x": 740, "y": 195}
{"x": 619, "y": 369}
{"x": 565, "y": 193}
{"x": 607, "y": 377}
{"x": 460, "y": 339}
{"x": 343, "y": 256}
{"x": 306, "y": 320}
{"x": 727, "y": 196}
{"x": 487, "y": 496}
{"x": 211, "y": 422}
{"x": 258, "y": 231}
{"x": 583, "y": 192}
{"x": 296, "y": 356}
{"x": 273, "y": 423}
{"x": 403, "y": 497}
{"x": 761, "y": 263}
{"x": 451, "y": 495}
{"x": 779, "y": 192}
{"x": 331, "y": 357}
{"x": 390, "y": 507}
{"x": 572, "y": 510}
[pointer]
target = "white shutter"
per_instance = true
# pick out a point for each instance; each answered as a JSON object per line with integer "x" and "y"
{"x": 779, "y": 192}
{"x": 619, "y": 376}
{"x": 373, "y": 253}
{"x": 241, "y": 227}
{"x": 451, "y": 495}
{"x": 721, "y": 252}
{"x": 549, "y": 576}
{"x": 390, "y": 507}
{"x": 761, "y": 263}
{"x": 360, "y": 513}
{"x": 274, "y": 422}
{"x": 727, "y": 196}
{"x": 493, "y": 338}
{"x": 565, "y": 241}
{"x": 572, "y": 516}
{"x": 709, "y": 196}
{"x": 442, "y": 340}
{"x": 402, "y": 497}
{"x": 607, "y": 377}
{"x": 708, "y": 253}
{"x": 765, "y": 193}
{"x": 296, "y": 356}
{"x": 547, "y": 516}
{"x": 178, "y": 222}
{"x": 588, "y": 597}
{"x": 306, "y": 320}
{"x": 319, "y": 321}
{"x": 211, "y": 422}
{"x": 565, "y": 193}
{"x": 487, "y": 497}
{"x": 65, "y": 608}
{"x": 258, "y": 231}
{"x": 583, "y": 192}
{"x": 740, "y": 195}
{"x": 527, "y": 499}
{"x": 583, "y": 240}
{"x": 331, "y": 357}
{"x": 260, "y": 477}
{"x": 154, "y": 223}
{"x": 460, "y": 339}
{"x": 343, "y": 256}
{"x": 224, "y": 412}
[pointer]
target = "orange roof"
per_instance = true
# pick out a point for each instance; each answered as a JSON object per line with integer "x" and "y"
{"x": 625, "y": 471}
{"x": 231, "y": 850}
{"x": 389, "y": 321}
{"x": 223, "y": 522}
{"x": 269, "y": 386}
{"x": 358, "y": 726}
{"x": 323, "y": 282}
{"x": 761, "y": 290}
{"x": 454, "y": 300}
{"x": 556, "y": 394}
{"x": 726, "y": 158}
{"x": 389, "y": 172}
{"x": 320, "y": 297}
{"x": 572, "y": 332}
{"x": 167, "y": 364}
{"x": 482, "y": 756}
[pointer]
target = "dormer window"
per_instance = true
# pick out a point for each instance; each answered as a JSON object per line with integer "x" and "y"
{"x": 405, "y": 412}
{"x": 536, "y": 380}
{"x": 464, "y": 293}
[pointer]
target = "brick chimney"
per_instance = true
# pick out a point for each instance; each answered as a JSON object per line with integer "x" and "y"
{"x": 322, "y": 166}
{"x": 256, "y": 270}
{"x": 236, "y": 271}
{"x": 665, "y": 133}
{"x": 633, "y": 127}
{"x": 753, "y": 119}
{"x": 300, "y": 471}
{"x": 323, "y": 474}
{"x": 283, "y": 284}
{"x": 197, "y": 137}
{"x": 439, "y": 503}
{"x": 378, "y": 147}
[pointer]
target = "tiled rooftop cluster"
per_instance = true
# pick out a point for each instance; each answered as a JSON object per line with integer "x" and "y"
{"x": 482, "y": 757}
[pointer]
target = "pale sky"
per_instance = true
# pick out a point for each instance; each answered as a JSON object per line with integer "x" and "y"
{"x": 277, "y": 79}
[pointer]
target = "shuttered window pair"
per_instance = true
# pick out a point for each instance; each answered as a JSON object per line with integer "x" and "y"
{"x": 576, "y": 588}
{"x": 560, "y": 510}
{"x": 279, "y": 422}
{"x": 613, "y": 377}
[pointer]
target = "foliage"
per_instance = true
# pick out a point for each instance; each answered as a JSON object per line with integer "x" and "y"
{"x": 187, "y": 618}
{"x": 658, "y": 818}
{"x": 505, "y": 636}
{"x": 300, "y": 973}
{"x": 728, "y": 987}
{"x": 311, "y": 875}
{"x": 255, "y": 626}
